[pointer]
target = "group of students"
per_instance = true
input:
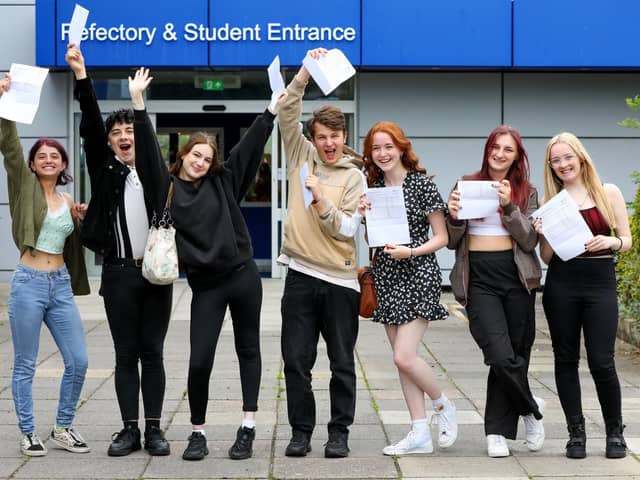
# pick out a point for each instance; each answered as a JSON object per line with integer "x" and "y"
{"x": 495, "y": 276}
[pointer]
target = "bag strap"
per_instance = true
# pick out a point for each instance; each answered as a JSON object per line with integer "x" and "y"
{"x": 167, "y": 204}
{"x": 166, "y": 220}
{"x": 372, "y": 256}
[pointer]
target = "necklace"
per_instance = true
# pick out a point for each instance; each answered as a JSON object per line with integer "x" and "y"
{"x": 586, "y": 196}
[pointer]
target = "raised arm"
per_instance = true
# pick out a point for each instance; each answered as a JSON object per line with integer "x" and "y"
{"x": 92, "y": 129}
{"x": 296, "y": 145}
{"x": 245, "y": 157}
{"x": 149, "y": 162}
{"x": 14, "y": 163}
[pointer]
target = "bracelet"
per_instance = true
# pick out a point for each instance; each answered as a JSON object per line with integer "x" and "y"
{"x": 621, "y": 244}
{"x": 411, "y": 256}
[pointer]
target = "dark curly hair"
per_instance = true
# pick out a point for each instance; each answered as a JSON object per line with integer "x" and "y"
{"x": 124, "y": 115}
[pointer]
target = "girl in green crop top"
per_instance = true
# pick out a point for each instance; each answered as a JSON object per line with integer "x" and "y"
{"x": 41, "y": 292}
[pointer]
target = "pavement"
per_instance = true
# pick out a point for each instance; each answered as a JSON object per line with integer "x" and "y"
{"x": 381, "y": 414}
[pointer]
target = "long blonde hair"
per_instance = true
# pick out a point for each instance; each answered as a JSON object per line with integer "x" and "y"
{"x": 590, "y": 177}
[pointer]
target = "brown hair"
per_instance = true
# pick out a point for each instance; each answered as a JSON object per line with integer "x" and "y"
{"x": 329, "y": 116}
{"x": 408, "y": 157}
{"x": 196, "y": 138}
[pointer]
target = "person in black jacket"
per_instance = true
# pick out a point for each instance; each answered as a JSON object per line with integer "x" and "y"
{"x": 116, "y": 226}
{"x": 215, "y": 248}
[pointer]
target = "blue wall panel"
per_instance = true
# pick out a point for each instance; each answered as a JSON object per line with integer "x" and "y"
{"x": 337, "y": 15}
{"x": 468, "y": 33}
{"x": 576, "y": 33}
{"x": 45, "y": 33}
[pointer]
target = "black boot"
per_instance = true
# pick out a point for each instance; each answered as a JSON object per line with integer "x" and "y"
{"x": 577, "y": 444}
{"x": 616, "y": 446}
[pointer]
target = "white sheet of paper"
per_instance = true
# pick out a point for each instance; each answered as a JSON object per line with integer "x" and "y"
{"x": 76, "y": 27}
{"x": 329, "y": 70}
{"x": 275, "y": 81}
{"x": 21, "y": 102}
{"x": 387, "y": 218}
{"x": 306, "y": 193}
{"x": 563, "y": 226}
{"x": 478, "y": 199}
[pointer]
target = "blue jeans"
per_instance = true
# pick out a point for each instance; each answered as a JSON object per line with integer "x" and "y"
{"x": 39, "y": 296}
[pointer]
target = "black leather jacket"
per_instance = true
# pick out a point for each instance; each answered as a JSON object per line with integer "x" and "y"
{"x": 107, "y": 175}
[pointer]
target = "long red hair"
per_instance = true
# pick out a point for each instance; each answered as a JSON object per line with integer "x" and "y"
{"x": 408, "y": 157}
{"x": 518, "y": 174}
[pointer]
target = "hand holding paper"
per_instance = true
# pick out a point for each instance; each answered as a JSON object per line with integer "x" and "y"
{"x": 306, "y": 193}
{"x": 20, "y": 102}
{"x": 478, "y": 199}
{"x": 563, "y": 226}
{"x": 275, "y": 82}
{"x": 76, "y": 27}
{"x": 387, "y": 219}
{"x": 329, "y": 70}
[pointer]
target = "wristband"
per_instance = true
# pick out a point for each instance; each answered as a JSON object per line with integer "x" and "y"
{"x": 621, "y": 244}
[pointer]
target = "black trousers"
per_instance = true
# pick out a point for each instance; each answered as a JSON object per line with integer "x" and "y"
{"x": 580, "y": 296}
{"x": 241, "y": 291}
{"x": 502, "y": 322}
{"x": 138, "y": 314}
{"x": 311, "y": 307}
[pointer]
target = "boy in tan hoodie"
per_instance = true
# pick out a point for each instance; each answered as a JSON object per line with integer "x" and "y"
{"x": 321, "y": 293}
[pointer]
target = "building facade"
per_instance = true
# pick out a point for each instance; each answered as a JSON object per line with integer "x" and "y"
{"x": 447, "y": 71}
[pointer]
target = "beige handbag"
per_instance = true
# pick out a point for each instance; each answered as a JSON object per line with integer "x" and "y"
{"x": 160, "y": 261}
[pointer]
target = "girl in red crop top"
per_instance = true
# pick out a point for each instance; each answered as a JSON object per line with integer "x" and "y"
{"x": 580, "y": 294}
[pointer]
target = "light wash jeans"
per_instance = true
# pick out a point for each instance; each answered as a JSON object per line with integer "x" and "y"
{"x": 39, "y": 296}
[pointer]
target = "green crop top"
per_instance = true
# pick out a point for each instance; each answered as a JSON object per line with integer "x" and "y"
{"x": 57, "y": 226}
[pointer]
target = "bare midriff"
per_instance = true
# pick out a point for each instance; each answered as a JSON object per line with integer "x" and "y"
{"x": 42, "y": 260}
{"x": 486, "y": 243}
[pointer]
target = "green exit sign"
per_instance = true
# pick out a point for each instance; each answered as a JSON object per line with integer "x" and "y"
{"x": 214, "y": 85}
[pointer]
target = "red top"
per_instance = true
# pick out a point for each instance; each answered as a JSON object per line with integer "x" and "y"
{"x": 598, "y": 226}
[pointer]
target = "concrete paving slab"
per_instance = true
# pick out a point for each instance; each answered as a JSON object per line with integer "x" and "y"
{"x": 317, "y": 467}
{"x": 478, "y": 467}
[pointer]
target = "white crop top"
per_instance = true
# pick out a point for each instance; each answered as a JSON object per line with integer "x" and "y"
{"x": 490, "y": 226}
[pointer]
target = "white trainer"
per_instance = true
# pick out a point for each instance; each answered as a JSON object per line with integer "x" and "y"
{"x": 409, "y": 446}
{"x": 534, "y": 429}
{"x": 497, "y": 446}
{"x": 32, "y": 446}
{"x": 445, "y": 419}
{"x": 70, "y": 440}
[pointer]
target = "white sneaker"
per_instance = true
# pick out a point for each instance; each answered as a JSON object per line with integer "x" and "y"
{"x": 32, "y": 446}
{"x": 497, "y": 446}
{"x": 534, "y": 428}
{"x": 70, "y": 440}
{"x": 409, "y": 446}
{"x": 445, "y": 418}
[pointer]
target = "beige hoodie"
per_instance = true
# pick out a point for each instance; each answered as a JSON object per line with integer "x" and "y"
{"x": 314, "y": 240}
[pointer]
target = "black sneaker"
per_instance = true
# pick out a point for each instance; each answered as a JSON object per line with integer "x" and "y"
{"x": 243, "y": 446}
{"x": 299, "y": 445}
{"x": 124, "y": 442}
{"x": 337, "y": 446}
{"x": 155, "y": 443}
{"x": 197, "y": 448}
